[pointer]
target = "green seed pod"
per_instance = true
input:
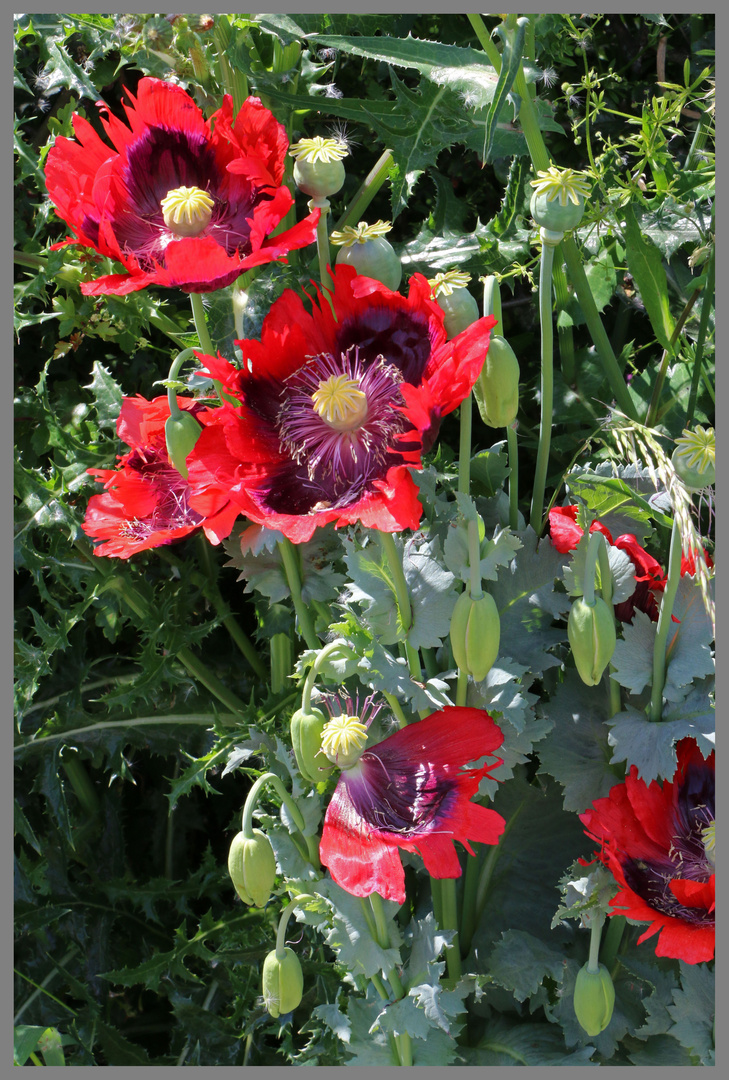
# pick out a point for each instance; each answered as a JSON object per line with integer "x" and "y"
{"x": 320, "y": 179}
{"x": 306, "y": 730}
{"x": 157, "y": 33}
{"x": 283, "y": 982}
{"x": 460, "y": 311}
{"x": 475, "y": 634}
{"x": 551, "y": 214}
{"x": 591, "y": 633}
{"x": 181, "y": 433}
{"x": 497, "y": 388}
{"x": 374, "y": 258}
{"x": 696, "y": 474}
{"x": 594, "y": 999}
{"x": 252, "y": 867}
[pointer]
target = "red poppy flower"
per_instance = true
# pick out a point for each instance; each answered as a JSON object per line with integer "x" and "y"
{"x": 219, "y": 180}
{"x": 658, "y": 842}
{"x": 411, "y": 791}
{"x": 566, "y": 534}
{"x": 338, "y": 406}
{"x": 147, "y": 503}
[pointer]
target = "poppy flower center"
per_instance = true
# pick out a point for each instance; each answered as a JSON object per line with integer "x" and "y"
{"x": 187, "y": 210}
{"x": 342, "y": 740}
{"x": 340, "y": 402}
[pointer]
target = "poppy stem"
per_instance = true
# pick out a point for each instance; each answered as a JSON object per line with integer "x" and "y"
{"x": 606, "y": 586}
{"x": 290, "y": 560}
{"x": 400, "y": 588}
{"x": 283, "y": 921}
{"x": 450, "y": 922}
{"x": 367, "y": 190}
{"x": 664, "y": 623}
{"x": 332, "y": 647}
{"x": 513, "y": 450}
{"x": 464, "y": 448}
{"x": 201, "y": 326}
{"x": 613, "y": 938}
{"x": 547, "y": 383}
{"x": 321, "y": 203}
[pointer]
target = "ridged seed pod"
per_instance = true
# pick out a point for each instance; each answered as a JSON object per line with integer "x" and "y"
{"x": 306, "y": 731}
{"x": 594, "y": 999}
{"x": 591, "y": 633}
{"x": 252, "y": 867}
{"x": 497, "y": 388}
{"x": 475, "y": 634}
{"x": 283, "y": 982}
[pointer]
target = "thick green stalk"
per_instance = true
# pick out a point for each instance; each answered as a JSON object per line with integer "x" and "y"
{"x": 596, "y": 329}
{"x": 290, "y": 559}
{"x": 450, "y": 922}
{"x": 700, "y": 338}
{"x": 283, "y": 921}
{"x": 513, "y": 451}
{"x": 664, "y": 623}
{"x": 596, "y": 923}
{"x": 367, "y": 190}
{"x": 234, "y": 81}
{"x": 201, "y": 326}
{"x": 606, "y": 586}
{"x": 402, "y": 596}
{"x": 613, "y": 938}
{"x": 547, "y": 386}
{"x": 322, "y": 240}
{"x": 486, "y": 41}
{"x": 464, "y": 449}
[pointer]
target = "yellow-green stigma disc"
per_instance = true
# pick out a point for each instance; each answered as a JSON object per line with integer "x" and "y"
{"x": 187, "y": 210}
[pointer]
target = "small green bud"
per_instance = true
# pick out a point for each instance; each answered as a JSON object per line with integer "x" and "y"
{"x": 306, "y": 732}
{"x": 497, "y": 388}
{"x": 594, "y": 999}
{"x": 252, "y": 867}
{"x": 475, "y": 634}
{"x": 283, "y": 982}
{"x": 181, "y": 433}
{"x": 591, "y": 633}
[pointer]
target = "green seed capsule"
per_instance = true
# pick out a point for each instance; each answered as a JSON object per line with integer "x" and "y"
{"x": 591, "y": 633}
{"x": 695, "y": 474}
{"x": 283, "y": 982}
{"x": 497, "y": 388}
{"x": 475, "y": 634}
{"x": 374, "y": 258}
{"x": 252, "y": 867}
{"x": 306, "y": 731}
{"x": 594, "y": 999}
{"x": 551, "y": 214}
{"x": 460, "y": 311}
{"x": 181, "y": 434}
{"x": 320, "y": 179}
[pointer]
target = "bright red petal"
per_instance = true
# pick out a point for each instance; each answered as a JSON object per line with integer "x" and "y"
{"x": 357, "y": 859}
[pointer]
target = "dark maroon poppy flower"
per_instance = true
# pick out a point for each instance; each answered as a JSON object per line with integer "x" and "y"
{"x": 658, "y": 841}
{"x": 566, "y": 534}
{"x": 181, "y": 201}
{"x": 411, "y": 791}
{"x": 337, "y": 406}
{"x": 147, "y": 503}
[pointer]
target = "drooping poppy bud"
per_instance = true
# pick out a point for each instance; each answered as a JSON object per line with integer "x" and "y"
{"x": 369, "y": 252}
{"x": 497, "y": 388}
{"x": 252, "y": 867}
{"x": 306, "y": 733}
{"x": 591, "y": 633}
{"x": 181, "y": 433}
{"x": 594, "y": 999}
{"x": 475, "y": 634}
{"x": 283, "y": 982}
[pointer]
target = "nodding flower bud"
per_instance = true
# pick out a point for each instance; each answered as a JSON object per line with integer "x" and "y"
{"x": 182, "y": 431}
{"x": 594, "y": 999}
{"x": 450, "y": 293}
{"x": 475, "y": 634}
{"x": 283, "y": 982}
{"x": 497, "y": 388}
{"x": 694, "y": 458}
{"x": 252, "y": 867}
{"x": 318, "y": 170}
{"x": 591, "y": 633}
{"x": 306, "y": 733}
{"x": 366, "y": 249}
{"x": 558, "y": 201}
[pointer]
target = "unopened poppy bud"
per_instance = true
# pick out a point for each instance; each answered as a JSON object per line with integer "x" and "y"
{"x": 475, "y": 634}
{"x": 369, "y": 252}
{"x": 318, "y": 169}
{"x": 306, "y": 733}
{"x": 283, "y": 982}
{"x": 594, "y": 999}
{"x": 252, "y": 867}
{"x": 181, "y": 433}
{"x": 591, "y": 633}
{"x": 497, "y": 388}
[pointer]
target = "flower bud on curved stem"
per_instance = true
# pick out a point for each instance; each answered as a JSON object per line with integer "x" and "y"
{"x": 282, "y": 977}
{"x": 181, "y": 428}
{"x": 591, "y": 623}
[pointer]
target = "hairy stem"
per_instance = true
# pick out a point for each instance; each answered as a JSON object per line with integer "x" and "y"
{"x": 664, "y": 623}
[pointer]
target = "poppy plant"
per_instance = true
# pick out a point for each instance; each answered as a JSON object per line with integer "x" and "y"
{"x": 338, "y": 405}
{"x": 147, "y": 503}
{"x": 658, "y": 841}
{"x": 411, "y": 791}
{"x": 180, "y": 201}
